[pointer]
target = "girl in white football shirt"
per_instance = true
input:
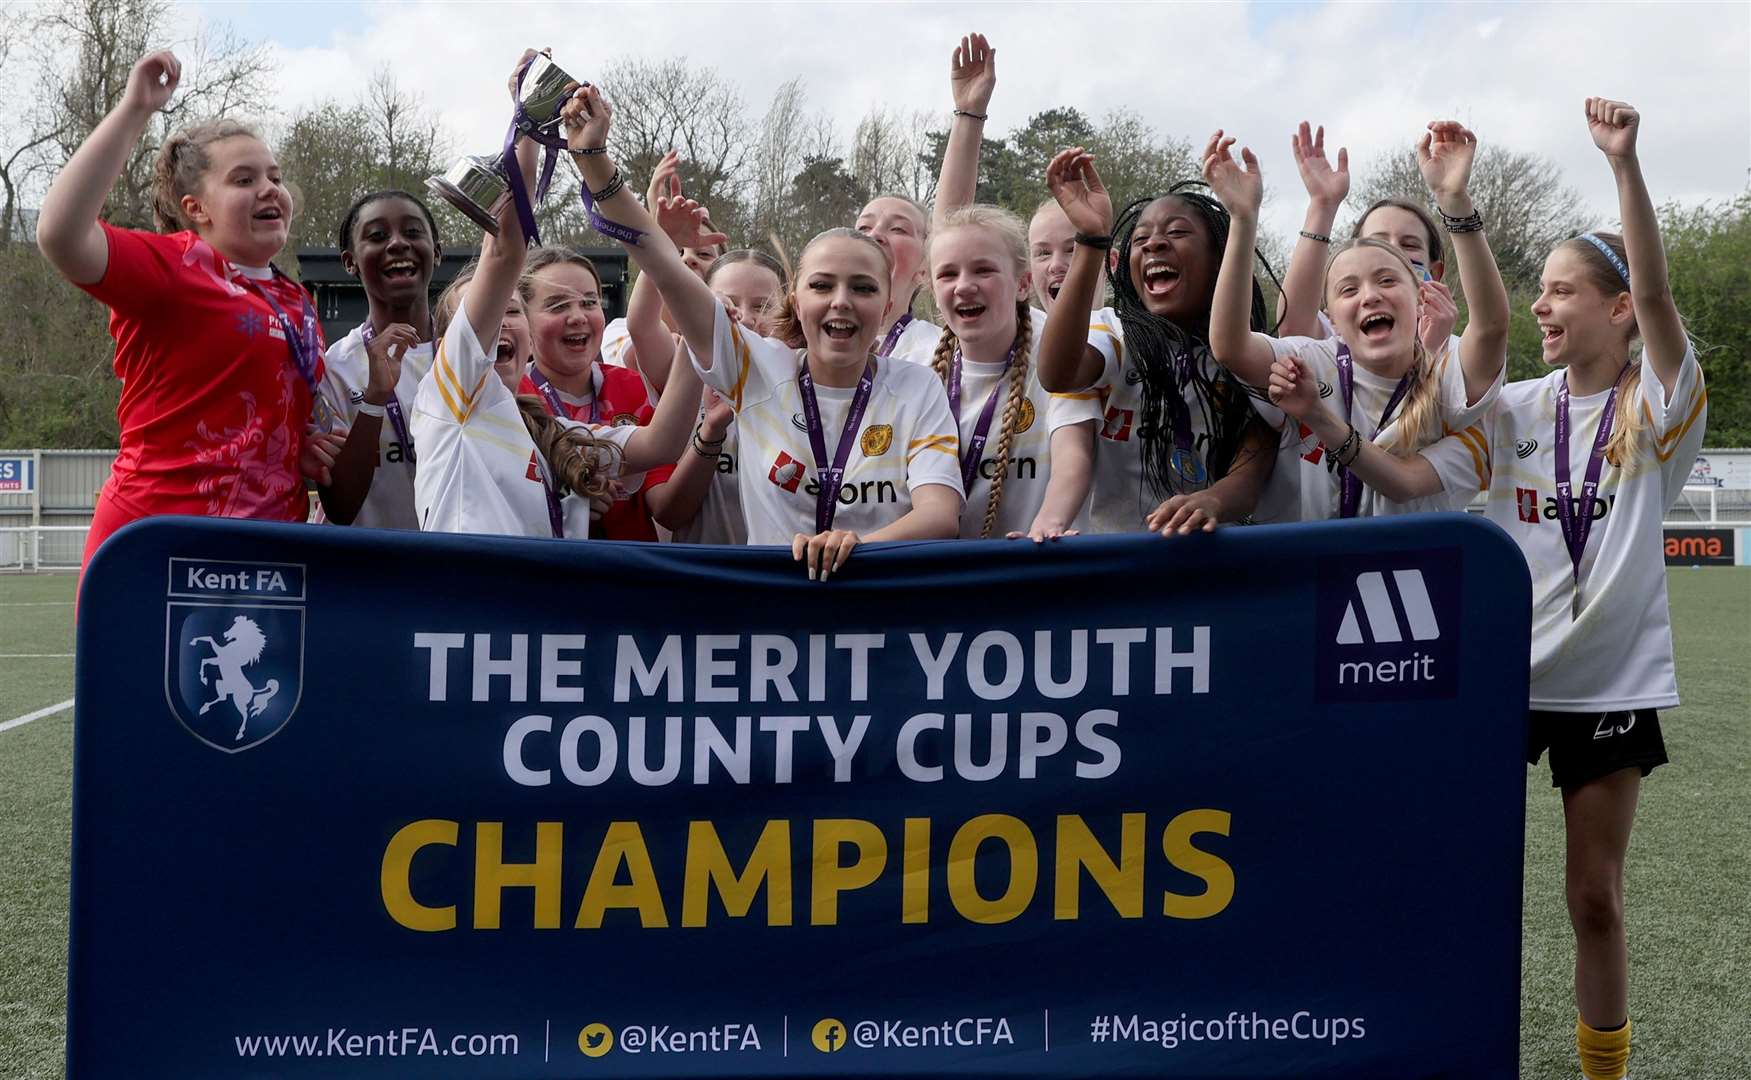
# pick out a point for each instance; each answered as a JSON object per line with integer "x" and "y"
{"x": 494, "y": 462}
{"x": 1180, "y": 447}
{"x": 1581, "y": 466}
{"x": 1377, "y": 370}
{"x": 836, "y": 444}
{"x": 390, "y": 243}
{"x": 1026, "y": 455}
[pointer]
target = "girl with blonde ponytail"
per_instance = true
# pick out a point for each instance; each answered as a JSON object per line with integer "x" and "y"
{"x": 1376, "y": 381}
{"x": 1027, "y": 457}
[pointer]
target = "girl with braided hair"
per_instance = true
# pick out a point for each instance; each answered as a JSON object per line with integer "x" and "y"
{"x": 1377, "y": 371}
{"x": 1026, "y": 456}
{"x": 1180, "y": 446}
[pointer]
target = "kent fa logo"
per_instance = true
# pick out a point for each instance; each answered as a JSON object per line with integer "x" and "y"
{"x": 234, "y": 649}
{"x": 1389, "y": 627}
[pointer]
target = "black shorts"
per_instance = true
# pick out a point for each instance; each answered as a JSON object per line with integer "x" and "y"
{"x": 1586, "y": 746}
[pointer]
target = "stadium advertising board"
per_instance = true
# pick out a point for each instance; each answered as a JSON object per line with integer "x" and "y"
{"x": 17, "y": 475}
{"x": 1701, "y": 547}
{"x": 369, "y": 804}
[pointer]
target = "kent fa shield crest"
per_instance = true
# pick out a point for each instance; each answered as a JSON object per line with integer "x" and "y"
{"x": 234, "y": 660}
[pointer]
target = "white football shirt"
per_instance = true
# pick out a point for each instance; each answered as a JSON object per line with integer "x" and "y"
{"x": 389, "y": 503}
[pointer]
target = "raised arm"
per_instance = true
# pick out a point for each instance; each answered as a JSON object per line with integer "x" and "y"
{"x": 1295, "y": 390}
{"x": 1445, "y": 156}
{"x": 676, "y": 503}
{"x": 67, "y": 230}
{"x": 1233, "y": 342}
{"x": 1304, "y": 281}
{"x": 1614, "y": 126}
{"x": 587, "y": 117}
{"x": 1067, "y": 362}
{"x": 972, "y": 77}
{"x": 664, "y": 439}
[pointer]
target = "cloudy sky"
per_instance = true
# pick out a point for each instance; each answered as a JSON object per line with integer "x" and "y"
{"x": 1372, "y": 73}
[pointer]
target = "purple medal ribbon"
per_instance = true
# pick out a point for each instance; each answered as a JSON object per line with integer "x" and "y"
{"x": 1349, "y": 484}
{"x": 522, "y": 124}
{"x": 613, "y": 230}
{"x": 300, "y": 337}
{"x": 1575, "y": 531}
{"x": 894, "y": 333}
{"x": 831, "y": 476}
{"x": 551, "y": 396}
{"x": 555, "y": 515}
{"x": 393, "y": 405}
{"x": 975, "y": 447}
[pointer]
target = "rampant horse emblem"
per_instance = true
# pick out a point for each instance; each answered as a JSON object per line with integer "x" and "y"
{"x": 244, "y": 642}
{"x": 233, "y": 672}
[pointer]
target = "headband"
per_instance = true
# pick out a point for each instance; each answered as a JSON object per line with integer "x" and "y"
{"x": 1610, "y": 256}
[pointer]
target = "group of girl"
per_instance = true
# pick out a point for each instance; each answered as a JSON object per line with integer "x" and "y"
{"x": 1098, "y": 369}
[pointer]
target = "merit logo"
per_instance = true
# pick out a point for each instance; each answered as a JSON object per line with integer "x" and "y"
{"x": 1389, "y": 627}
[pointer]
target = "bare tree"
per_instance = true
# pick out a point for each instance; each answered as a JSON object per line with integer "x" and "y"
{"x": 891, "y": 152}
{"x": 672, "y": 104}
{"x": 24, "y": 134}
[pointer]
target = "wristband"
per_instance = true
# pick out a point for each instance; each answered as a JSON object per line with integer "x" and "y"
{"x": 1098, "y": 242}
{"x": 972, "y": 115}
{"x": 706, "y": 449}
{"x": 367, "y": 409}
{"x": 1318, "y": 238}
{"x": 1472, "y": 222}
{"x": 585, "y": 151}
{"x": 613, "y": 189}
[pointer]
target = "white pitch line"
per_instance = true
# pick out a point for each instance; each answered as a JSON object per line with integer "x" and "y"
{"x": 36, "y": 603}
{"x": 36, "y": 656}
{"x": 20, "y": 721}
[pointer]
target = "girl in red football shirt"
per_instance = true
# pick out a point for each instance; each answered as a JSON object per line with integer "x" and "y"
{"x": 219, "y": 352}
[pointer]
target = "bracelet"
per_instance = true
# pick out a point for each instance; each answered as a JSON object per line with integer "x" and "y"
{"x": 706, "y": 449}
{"x": 613, "y": 189}
{"x": 367, "y": 409}
{"x": 1351, "y": 448}
{"x": 1472, "y": 222}
{"x": 972, "y": 115}
{"x": 585, "y": 151}
{"x": 1099, "y": 242}
{"x": 1318, "y": 238}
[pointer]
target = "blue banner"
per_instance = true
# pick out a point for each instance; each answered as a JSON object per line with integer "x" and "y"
{"x": 355, "y": 803}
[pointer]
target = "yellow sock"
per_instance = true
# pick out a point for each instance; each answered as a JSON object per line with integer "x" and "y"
{"x": 1604, "y": 1054}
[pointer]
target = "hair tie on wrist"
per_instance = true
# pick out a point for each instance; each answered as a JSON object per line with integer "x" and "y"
{"x": 1472, "y": 222}
{"x": 612, "y": 189}
{"x": 1099, "y": 242}
{"x": 365, "y": 408}
{"x": 1318, "y": 238}
{"x": 972, "y": 115}
{"x": 585, "y": 151}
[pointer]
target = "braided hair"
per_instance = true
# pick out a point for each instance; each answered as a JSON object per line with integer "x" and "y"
{"x": 1167, "y": 355}
{"x": 1015, "y": 390}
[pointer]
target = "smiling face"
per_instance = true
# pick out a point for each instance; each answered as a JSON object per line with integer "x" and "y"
{"x": 1051, "y": 241}
{"x": 841, "y": 300}
{"x": 392, "y": 251}
{"x": 897, "y": 225}
{"x": 1404, "y": 231}
{"x": 748, "y": 291}
{"x": 1374, "y": 303}
{"x": 241, "y": 207}
{"x": 1173, "y": 261}
{"x": 976, "y": 285}
{"x": 513, "y": 345}
{"x": 1578, "y": 319}
{"x": 565, "y": 320}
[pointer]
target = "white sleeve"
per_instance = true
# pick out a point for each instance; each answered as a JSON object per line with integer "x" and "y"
{"x": 1456, "y": 411}
{"x": 1462, "y": 459}
{"x": 461, "y": 369}
{"x": 334, "y": 411}
{"x": 1063, "y": 410}
{"x": 1106, "y": 336}
{"x": 744, "y": 365}
{"x": 933, "y": 448}
{"x": 1677, "y": 422}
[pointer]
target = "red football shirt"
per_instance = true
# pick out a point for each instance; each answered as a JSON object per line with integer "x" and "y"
{"x": 624, "y": 401}
{"x": 213, "y": 408}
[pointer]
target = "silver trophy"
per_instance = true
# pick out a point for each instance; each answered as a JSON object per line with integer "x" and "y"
{"x": 478, "y": 185}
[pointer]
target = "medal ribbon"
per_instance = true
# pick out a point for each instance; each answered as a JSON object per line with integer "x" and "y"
{"x": 301, "y": 337}
{"x": 831, "y": 476}
{"x": 1575, "y": 529}
{"x": 551, "y": 396}
{"x": 1349, "y": 484}
{"x": 894, "y": 333}
{"x": 974, "y": 449}
{"x": 393, "y": 405}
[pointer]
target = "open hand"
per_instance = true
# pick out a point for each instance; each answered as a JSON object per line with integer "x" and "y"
{"x": 1445, "y": 155}
{"x": 1079, "y": 190}
{"x": 973, "y": 74}
{"x": 1325, "y": 185}
{"x": 1240, "y": 187}
{"x": 1183, "y": 515}
{"x": 824, "y": 552}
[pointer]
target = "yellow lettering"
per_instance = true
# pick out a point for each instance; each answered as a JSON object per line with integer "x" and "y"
{"x": 1024, "y": 868}
{"x": 709, "y": 865}
{"x": 624, "y": 843}
{"x": 1078, "y": 850}
{"x": 492, "y": 875}
{"x": 394, "y": 879}
{"x": 915, "y": 881}
{"x": 830, "y": 876}
{"x": 1176, "y": 843}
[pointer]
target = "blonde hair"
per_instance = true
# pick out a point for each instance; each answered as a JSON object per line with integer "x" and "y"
{"x": 579, "y": 461}
{"x": 1010, "y": 231}
{"x": 785, "y": 326}
{"x": 182, "y": 164}
{"x": 1419, "y": 418}
{"x": 1629, "y": 428}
